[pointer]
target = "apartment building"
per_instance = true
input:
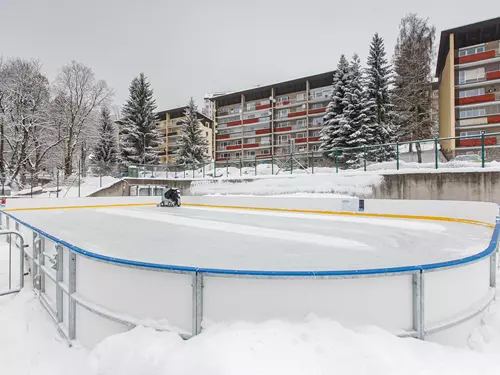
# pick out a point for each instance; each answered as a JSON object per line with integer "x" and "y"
{"x": 169, "y": 125}
{"x": 272, "y": 120}
{"x": 468, "y": 69}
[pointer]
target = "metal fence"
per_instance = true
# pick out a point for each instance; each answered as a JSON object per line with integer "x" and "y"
{"x": 68, "y": 279}
{"x": 478, "y": 150}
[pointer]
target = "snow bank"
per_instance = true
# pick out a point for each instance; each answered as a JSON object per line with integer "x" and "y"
{"x": 344, "y": 184}
{"x": 29, "y": 342}
{"x": 313, "y": 347}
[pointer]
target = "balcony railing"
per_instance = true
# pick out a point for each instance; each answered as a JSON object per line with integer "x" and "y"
{"x": 489, "y": 54}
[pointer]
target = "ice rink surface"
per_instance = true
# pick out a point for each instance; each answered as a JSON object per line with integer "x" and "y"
{"x": 257, "y": 240}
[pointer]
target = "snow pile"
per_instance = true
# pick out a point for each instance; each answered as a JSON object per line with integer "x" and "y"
{"x": 313, "y": 347}
{"x": 29, "y": 342}
{"x": 342, "y": 183}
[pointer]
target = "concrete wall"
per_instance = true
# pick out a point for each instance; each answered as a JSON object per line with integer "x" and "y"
{"x": 464, "y": 186}
{"x": 458, "y": 186}
{"x": 447, "y": 100}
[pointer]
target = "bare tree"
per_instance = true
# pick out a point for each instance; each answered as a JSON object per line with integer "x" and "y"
{"x": 26, "y": 132}
{"x": 78, "y": 95}
{"x": 413, "y": 59}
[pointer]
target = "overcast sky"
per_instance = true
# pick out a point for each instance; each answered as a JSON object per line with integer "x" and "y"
{"x": 189, "y": 48}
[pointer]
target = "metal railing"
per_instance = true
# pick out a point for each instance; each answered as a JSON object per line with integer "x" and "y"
{"x": 63, "y": 274}
{"x": 9, "y": 233}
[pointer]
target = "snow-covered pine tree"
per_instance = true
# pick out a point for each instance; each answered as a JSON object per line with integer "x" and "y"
{"x": 105, "y": 153}
{"x": 335, "y": 110}
{"x": 355, "y": 130}
{"x": 193, "y": 148}
{"x": 139, "y": 137}
{"x": 378, "y": 75}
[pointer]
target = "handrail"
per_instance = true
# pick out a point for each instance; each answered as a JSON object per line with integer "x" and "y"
{"x": 333, "y": 273}
{"x": 10, "y": 232}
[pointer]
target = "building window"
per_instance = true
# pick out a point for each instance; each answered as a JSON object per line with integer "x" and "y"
{"x": 301, "y": 123}
{"x": 315, "y": 148}
{"x": 317, "y": 121}
{"x": 471, "y": 50}
{"x": 283, "y": 139}
{"x": 473, "y": 112}
{"x": 301, "y": 97}
{"x": 299, "y": 109}
{"x": 471, "y": 92}
{"x": 249, "y": 117}
{"x": 300, "y": 135}
{"x": 301, "y": 149}
{"x": 316, "y": 133}
{"x": 317, "y": 106}
{"x": 223, "y": 144}
{"x": 263, "y": 152}
{"x": 250, "y": 140}
{"x": 282, "y": 99}
{"x": 250, "y": 106}
{"x": 283, "y": 113}
{"x": 283, "y": 124}
{"x": 470, "y": 133}
{"x": 471, "y": 75}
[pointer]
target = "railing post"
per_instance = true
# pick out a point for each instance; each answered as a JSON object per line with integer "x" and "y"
{"x": 214, "y": 174}
{"x": 241, "y": 167}
{"x": 312, "y": 162}
{"x": 36, "y": 253}
{"x": 227, "y": 168}
{"x": 436, "y": 152}
{"x": 418, "y": 304}
{"x": 336, "y": 162}
{"x": 272, "y": 162}
{"x": 59, "y": 279}
{"x": 256, "y": 164}
{"x": 397, "y": 156}
{"x": 71, "y": 291}
{"x": 203, "y": 169}
{"x": 482, "y": 149}
{"x": 197, "y": 303}
{"x": 40, "y": 248}
{"x": 364, "y": 157}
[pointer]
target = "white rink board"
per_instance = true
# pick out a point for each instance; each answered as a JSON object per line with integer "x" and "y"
{"x": 387, "y": 299}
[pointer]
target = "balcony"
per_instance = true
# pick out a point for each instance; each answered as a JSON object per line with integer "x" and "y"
{"x": 317, "y": 110}
{"x": 289, "y": 103}
{"x": 490, "y": 97}
{"x": 233, "y": 147}
{"x": 493, "y": 75}
{"x": 297, "y": 114}
{"x": 475, "y": 142}
{"x": 477, "y": 57}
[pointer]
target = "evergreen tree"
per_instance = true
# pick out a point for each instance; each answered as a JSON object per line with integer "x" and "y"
{"x": 378, "y": 79}
{"x": 139, "y": 137}
{"x": 105, "y": 151}
{"x": 335, "y": 110}
{"x": 193, "y": 144}
{"x": 355, "y": 130}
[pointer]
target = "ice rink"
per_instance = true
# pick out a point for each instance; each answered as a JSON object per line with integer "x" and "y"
{"x": 256, "y": 240}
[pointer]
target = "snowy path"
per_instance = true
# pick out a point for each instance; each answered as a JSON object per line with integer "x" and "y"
{"x": 221, "y": 238}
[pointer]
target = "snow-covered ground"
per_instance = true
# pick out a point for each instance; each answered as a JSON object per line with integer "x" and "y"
{"x": 69, "y": 188}
{"x": 29, "y": 344}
